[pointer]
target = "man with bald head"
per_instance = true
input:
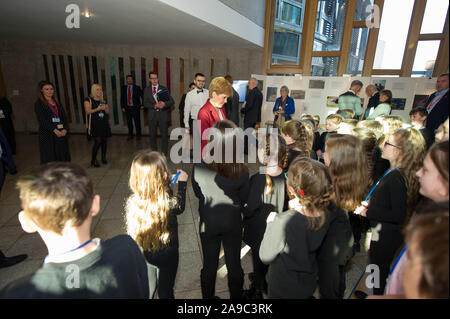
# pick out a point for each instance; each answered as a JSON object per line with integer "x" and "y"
{"x": 437, "y": 104}
{"x": 374, "y": 99}
{"x": 252, "y": 108}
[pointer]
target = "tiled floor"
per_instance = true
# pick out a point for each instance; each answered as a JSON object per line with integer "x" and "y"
{"x": 111, "y": 183}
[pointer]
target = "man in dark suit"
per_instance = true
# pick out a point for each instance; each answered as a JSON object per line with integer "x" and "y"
{"x": 182, "y": 103}
{"x": 374, "y": 99}
{"x": 130, "y": 97}
{"x": 437, "y": 104}
{"x": 252, "y": 108}
{"x": 158, "y": 101}
{"x": 232, "y": 105}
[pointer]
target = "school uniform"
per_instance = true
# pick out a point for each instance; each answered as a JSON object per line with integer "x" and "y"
{"x": 259, "y": 206}
{"x": 163, "y": 264}
{"x": 387, "y": 214}
{"x": 221, "y": 201}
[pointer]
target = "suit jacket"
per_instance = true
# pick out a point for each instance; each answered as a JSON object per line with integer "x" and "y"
{"x": 232, "y": 107}
{"x": 289, "y": 109}
{"x": 252, "y": 109}
{"x": 163, "y": 95}
{"x": 207, "y": 117}
{"x": 373, "y": 103}
{"x": 136, "y": 96}
{"x": 438, "y": 114}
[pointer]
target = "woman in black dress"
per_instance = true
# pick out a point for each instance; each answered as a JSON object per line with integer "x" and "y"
{"x": 53, "y": 126}
{"x": 98, "y": 122}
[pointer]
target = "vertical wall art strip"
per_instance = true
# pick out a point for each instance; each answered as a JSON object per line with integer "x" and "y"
{"x": 155, "y": 65}
{"x": 88, "y": 74}
{"x": 181, "y": 76}
{"x": 113, "y": 89}
{"x": 103, "y": 76}
{"x": 74, "y": 90}
{"x": 80, "y": 87}
{"x": 56, "y": 82}
{"x": 121, "y": 83}
{"x": 47, "y": 76}
{"x": 94, "y": 69}
{"x": 143, "y": 74}
{"x": 132, "y": 67}
{"x": 168, "y": 85}
{"x": 65, "y": 90}
{"x": 212, "y": 69}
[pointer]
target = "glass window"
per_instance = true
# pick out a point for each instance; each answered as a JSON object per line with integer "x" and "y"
{"x": 426, "y": 54}
{"x": 287, "y": 35}
{"x": 357, "y": 52}
{"x": 324, "y": 66}
{"x": 394, "y": 29}
{"x": 361, "y": 13}
{"x": 434, "y": 17}
{"x": 330, "y": 21}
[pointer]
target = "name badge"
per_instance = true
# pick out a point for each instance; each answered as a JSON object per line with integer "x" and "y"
{"x": 101, "y": 114}
{"x": 59, "y": 126}
{"x": 56, "y": 120}
{"x": 2, "y": 115}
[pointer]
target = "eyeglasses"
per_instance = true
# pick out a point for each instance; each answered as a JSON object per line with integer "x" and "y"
{"x": 387, "y": 143}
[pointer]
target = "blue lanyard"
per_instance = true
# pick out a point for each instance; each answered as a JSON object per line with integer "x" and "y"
{"x": 397, "y": 260}
{"x": 324, "y": 142}
{"x": 174, "y": 179}
{"x": 375, "y": 186}
{"x": 72, "y": 250}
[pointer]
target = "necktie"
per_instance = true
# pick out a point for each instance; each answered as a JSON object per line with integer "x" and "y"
{"x": 199, "y": 91}
{"x": 154, "y": 93}
{"x": 129, "y": 95}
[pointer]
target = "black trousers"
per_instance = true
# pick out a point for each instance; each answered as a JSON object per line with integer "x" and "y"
{"x": 159, "y": 119}
{"x": 133, "y": 114}
{"x": 162, "y": 271}
{"x": 331, "y": 280}
{"x": 99, "y": 142}
{"x": 211, "y": 249}
{"x": 259, "y": 268}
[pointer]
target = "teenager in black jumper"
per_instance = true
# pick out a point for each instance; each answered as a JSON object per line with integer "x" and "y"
{"x": 222, "y": 190}
{"x": 293, "y": 237}
{"x": 392, "y": 201}
{"x": 151, "y": 218}
{"x": 267, "y": 194}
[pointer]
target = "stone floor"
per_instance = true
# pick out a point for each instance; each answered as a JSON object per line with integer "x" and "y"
{"x": 111, "y": 184}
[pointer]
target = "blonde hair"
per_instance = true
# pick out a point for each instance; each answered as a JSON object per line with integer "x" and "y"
{"x": 348, "y": 169}
{"x": 93, "y": 92}
{"x": 413, "y": 147}
{"x": 376, "y": 127}
{"x": 221, "y": 86}
{"x": 369, "y": 142}
{"x": 297, "y": 131}
{"x": 281, "y": 153}
{"x": 347, "y": 126}
{"x": 147, "y": 207}
{"x": 391, "y": 123}
{"x": 311, "y": 183}
{"x": 335, "y": 118}
{"x": 310, "y": 132}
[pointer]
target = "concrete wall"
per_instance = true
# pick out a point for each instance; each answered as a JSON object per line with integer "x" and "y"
{"x": 23, "y": 68}
{"x": 254, "y": 10}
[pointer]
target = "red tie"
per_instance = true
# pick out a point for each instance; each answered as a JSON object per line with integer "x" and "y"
{"x": 154, "y": 93}
{"x": 129, "y": 95}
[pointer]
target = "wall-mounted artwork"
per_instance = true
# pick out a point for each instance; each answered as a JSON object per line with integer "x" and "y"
{"x": 331, "y": 101}
{"x": 398, "y": 103}
{"x": 297, "y": 94}
{"x": 380, "y": 84}
{"x": 316, "y": 84}
{"x": 271, "y": 94}
{"x": 420, "y": 100}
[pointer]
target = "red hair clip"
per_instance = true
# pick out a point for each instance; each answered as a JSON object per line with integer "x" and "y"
{"x": 301, "y": 192}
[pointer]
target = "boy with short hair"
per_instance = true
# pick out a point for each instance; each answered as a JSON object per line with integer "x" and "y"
{"x": 332, "y": 124}
{"x": 418, "y": 116}
{"x": 59, "y": 203}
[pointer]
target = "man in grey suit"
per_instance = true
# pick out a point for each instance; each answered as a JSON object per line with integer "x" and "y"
{"x": 158, "y": 101}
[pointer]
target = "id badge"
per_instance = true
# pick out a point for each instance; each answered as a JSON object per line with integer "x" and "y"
{"x": 59, "y": 126}
{"x": 101, "y": 114}
{"x": 56, "y": 120}
{"x": 2, "y": 115}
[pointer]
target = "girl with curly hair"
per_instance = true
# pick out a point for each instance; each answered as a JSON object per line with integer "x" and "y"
{"x": 393, "y": 198}
{"x": 151, "y": 218}
{"x": 293, "y": 237}
{"x": 296, "y": 137}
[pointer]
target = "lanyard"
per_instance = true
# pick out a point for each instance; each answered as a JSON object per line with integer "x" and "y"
{"x": 54, "y": 108}
{"x": 397, "y": 260}
{"x": 72, "y": 250}
{"x": 174, "y": 179}
{"x": 431, "y": 106}
{"x": 375, "y": 186}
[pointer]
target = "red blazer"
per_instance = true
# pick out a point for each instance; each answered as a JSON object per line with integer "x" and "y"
{"x": 207, "y": 117}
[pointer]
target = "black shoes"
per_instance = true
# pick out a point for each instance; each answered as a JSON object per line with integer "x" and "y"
{"x": 95, "y": 163}
{"x": 11, "y": 261}
{"x": 252, "y": 293}
{"x": 104, "y": 161}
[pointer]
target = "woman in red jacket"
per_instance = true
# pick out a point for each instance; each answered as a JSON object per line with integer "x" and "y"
{"x": 213, "y": 110}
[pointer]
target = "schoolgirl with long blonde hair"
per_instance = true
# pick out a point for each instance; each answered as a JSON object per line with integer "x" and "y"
{"x": 151, "y": 217}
